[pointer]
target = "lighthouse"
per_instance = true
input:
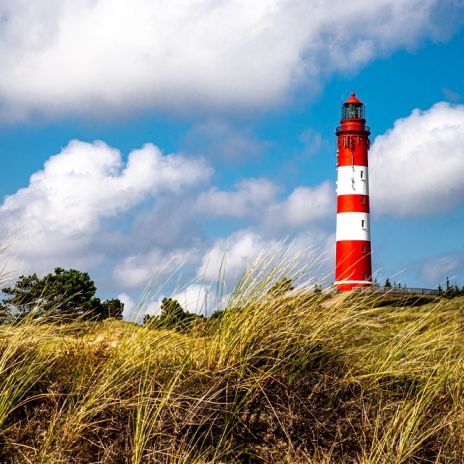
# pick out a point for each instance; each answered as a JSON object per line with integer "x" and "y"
{"x": 353, "y": 266}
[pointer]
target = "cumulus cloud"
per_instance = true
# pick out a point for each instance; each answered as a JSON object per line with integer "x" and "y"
{"x": 129, "y": 305}
{"x": 134, "y": 311}
{"x": 58, "y": 217}
{"x": 257, "y": 199}
{"x": 303, "y": 206}
{"x": 230, "y": 256}
{"x": 86, "y": 56}
{"x": 249, "y": 198}
{"x": 137, "y": 271}
{"x": 196, "y": 299}
{"x": 417, "y": 167}
{"x": 226, "y": 260}
{"x": 253, "y": 201}
{"x": 147, "y": 218}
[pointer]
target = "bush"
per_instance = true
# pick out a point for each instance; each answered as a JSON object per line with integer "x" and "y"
{"x": 172, "y": 315}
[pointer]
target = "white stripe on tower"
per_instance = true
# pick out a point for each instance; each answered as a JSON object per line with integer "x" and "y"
{"x": 352, "y": 180}
{"x": 353, "y": 226}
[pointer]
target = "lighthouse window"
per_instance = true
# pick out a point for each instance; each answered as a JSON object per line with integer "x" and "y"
{"x": 363, "y": 248}
{"x": 363, "y": 200}
{"x": 362, "y": 174}
{"x": 352, "y": 110}
{"x": 363, "y": 222}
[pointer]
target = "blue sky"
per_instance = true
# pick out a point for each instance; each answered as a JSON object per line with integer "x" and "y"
{"x": 239, "y": 103}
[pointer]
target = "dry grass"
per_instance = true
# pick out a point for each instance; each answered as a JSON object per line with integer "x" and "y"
{"x": 293, "y": 379}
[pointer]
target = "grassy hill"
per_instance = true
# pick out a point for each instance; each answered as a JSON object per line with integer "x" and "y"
{"x": 300, "y": 378}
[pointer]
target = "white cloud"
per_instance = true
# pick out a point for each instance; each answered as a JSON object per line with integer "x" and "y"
{"x": 138, "y": 271}
{"x": 134, "y": 312}
{"x": 253, "y": 200}
{"x": 87, "y": 56}
{"x": 303, "y": 206}
{"x": 59, "y": 216}
{"x": 249, "y": 198}
{"x": 309, "y": 253}
{"x": 234, "y": 255}
{"x": 129, "y": 305}
{"x": 147, "y": 218}
{"x": 229, "y": 257}
{"x": 195, "y": 299}
{"x": 417, "y": 167}
{"x": 317, "y": 248}
{"x": 256, "y": 199}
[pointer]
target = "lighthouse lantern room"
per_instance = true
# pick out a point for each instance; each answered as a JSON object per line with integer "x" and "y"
{"x": 353, "y": 242}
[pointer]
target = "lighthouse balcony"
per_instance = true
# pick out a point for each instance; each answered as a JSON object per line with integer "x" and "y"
{"x": 339, "y": 130}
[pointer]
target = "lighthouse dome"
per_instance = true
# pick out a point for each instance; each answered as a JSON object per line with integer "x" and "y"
{"x": 353, "y": 99}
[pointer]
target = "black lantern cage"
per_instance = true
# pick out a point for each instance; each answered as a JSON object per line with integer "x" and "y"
{"x": 353, "y": 110}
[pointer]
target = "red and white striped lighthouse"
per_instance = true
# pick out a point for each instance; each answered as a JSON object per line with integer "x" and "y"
{"x": 353, "y": 250}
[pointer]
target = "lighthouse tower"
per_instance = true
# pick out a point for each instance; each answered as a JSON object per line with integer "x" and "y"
{"x": 353, "y": 250}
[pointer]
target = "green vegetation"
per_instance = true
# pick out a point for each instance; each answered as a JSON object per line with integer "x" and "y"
{"x": 279, "y": 377}
{"x": 66, "y": 294}
{"x": 451, "y": 290}
{"x": 172, "y": 315}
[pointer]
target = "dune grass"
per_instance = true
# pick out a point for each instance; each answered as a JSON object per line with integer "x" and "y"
{"x": 302, "y": 377}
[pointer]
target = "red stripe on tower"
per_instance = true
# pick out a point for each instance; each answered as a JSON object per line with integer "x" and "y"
{"x": 353, "y": 203}
{"x": 353, "y": 251}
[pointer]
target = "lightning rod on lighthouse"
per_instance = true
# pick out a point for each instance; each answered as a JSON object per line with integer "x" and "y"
{"x": 353, "y": 242}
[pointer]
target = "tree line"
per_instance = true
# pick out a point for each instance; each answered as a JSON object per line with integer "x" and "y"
{"x": 63, "y": 294}
{"x": 67, "y": 295}
{"x": 70, "y": 294}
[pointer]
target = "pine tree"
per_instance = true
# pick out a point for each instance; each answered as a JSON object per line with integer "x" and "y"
{"x": 65, "y": 293}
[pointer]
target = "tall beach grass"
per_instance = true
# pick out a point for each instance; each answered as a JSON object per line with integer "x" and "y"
{"x": 299, "y": 377}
